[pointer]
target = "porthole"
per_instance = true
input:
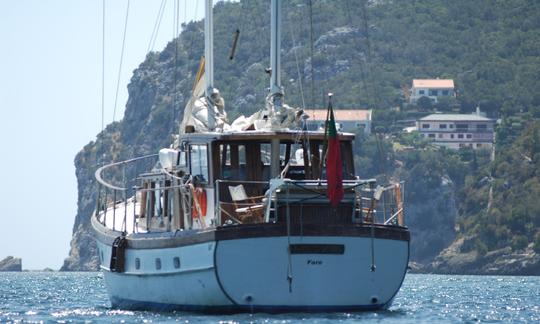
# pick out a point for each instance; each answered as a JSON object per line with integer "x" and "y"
{"x": 158, "y": 264}
{"x": 137, "y": 263}
{"x": 176, "y": 262}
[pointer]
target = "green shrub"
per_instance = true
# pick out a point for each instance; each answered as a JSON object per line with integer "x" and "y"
{"x": 519, "y": 242}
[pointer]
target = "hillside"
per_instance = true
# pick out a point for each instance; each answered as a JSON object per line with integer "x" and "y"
{"x": 365, "y": 52}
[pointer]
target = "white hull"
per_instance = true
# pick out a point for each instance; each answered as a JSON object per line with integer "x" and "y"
{"x": 251, "y": 274}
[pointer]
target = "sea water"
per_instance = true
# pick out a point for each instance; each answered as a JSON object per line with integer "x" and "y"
{"x": 82, "y": 297}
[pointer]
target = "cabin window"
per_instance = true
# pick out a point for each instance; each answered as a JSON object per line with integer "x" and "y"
{"x": 198, "y": 156}
{"x": 158, "y": 264}
{"x": 176, "y": 262}
{"x": 232, "y": 162}
{"x": 137, "y": 263}
{"x": 182, "y": 161}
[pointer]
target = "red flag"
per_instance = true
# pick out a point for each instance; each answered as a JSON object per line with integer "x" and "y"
{"x": 334, "y": 174}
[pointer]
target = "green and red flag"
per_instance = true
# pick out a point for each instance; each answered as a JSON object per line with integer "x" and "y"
{"x": 334, "y": 174}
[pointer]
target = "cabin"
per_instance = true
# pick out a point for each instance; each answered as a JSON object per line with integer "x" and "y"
{"x": 237, "y": 170}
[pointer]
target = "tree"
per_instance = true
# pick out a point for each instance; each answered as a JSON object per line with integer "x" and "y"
{"x": 424, "y": 103}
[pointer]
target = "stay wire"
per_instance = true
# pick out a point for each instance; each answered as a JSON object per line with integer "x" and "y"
{"x": 175, "y": 37}
{"x": 121, "y": 60}
{"x": 157, "y": 24}
{"x": 359, "y": 46}
{"x": 311, "y": 54}
{"x": 297, "y": 67}
{"x": 103, "y": 70}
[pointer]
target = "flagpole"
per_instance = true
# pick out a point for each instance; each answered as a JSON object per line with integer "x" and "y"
{"x": 325, "y": 139}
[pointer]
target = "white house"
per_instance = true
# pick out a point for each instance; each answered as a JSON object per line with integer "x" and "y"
{"x": 457, "y": 130}
{"x": 431, "y": 88}
{"x": 347, "y": 120}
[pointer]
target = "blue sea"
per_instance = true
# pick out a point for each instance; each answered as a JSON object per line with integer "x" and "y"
{"x": 34, "y": 297}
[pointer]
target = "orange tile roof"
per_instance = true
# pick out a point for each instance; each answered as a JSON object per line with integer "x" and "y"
{"x": 433, "y": 83}
{"x": 340, "y": 114}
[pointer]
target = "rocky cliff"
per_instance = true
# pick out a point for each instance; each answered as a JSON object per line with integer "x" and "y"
{"x": 11, "y": 264}
{"x": 364, "y": 54}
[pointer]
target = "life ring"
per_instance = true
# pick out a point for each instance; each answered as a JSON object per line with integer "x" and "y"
{"x": 199, "y": 198}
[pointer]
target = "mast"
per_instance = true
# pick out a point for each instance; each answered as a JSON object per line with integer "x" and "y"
{"x": 276, "y": 91}
{"x": 209, "y": 61}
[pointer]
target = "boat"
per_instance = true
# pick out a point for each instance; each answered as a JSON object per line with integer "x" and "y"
{"x": 250, "y": 217}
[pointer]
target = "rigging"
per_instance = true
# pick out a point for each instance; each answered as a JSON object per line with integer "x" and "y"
{"x": 121, "y": 60}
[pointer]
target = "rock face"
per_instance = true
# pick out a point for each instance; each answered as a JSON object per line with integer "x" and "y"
{"x": 161, "y": 86}
{"x": 456, "y": 259}
{"x": 11, "y": 264}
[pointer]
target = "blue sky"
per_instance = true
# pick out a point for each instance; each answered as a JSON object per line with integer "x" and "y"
{"x": 50, "y": 103}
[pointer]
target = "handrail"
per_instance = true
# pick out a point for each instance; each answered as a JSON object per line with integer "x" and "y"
{"x": 98, "y": 172}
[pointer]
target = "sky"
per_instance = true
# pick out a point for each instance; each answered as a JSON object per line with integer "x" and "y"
{"x": 50, "y": 106}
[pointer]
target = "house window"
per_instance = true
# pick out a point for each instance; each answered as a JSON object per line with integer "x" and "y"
{"x": 445, "y": 92}
{"x": 431, "y": 135}
{"x": 442, "y": 126}
{"x": 451, "y": 135}
{"x": 481, "y": 127}
{"x": 176, "y": 262}
{"x": 461, "y": 145}
{"x": 421, "y": 92}
{"x": 433, "y": 92}
{"x": 198, "y": 155}
{"x": 425, "y": 125}
{"x": 423, "y": 135}
{"x": 451, "y": 125}
{"x": 460, "y": 136}
{"x": 137, "y": 263}
{"x": 158, "y": 264}
{"x": 479, "y": 145}
{"x": 469, "y": 136}
{"x": 440, "y": 135}
{"x": 462, "y": 126}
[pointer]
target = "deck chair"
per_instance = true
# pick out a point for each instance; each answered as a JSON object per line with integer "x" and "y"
{"x": 248, "y": 209}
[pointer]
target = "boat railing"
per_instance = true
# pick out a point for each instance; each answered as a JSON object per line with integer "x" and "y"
{"x": 115, "y": 194}
{"x": 274, "y": 201}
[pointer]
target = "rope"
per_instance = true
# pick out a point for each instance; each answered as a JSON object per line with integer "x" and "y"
{"x": 175, "y": 37}
{"x": 102, "y": 77}
{"x": 289, "y": 265}
{"x": 157, "y": 24}
{"x": 298, "y": 68}
{"x": 311, "y": 54}
{"x": 121, "y": 60}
